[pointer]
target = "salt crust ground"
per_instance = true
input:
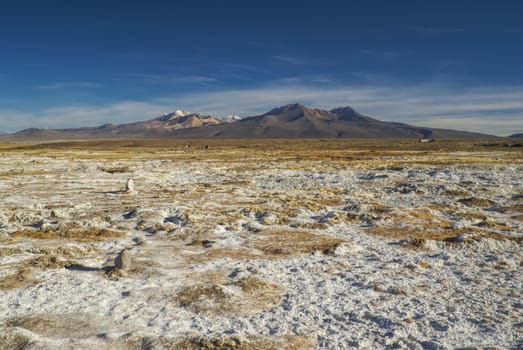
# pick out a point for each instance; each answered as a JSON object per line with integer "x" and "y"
{"x": 199, "y": 230}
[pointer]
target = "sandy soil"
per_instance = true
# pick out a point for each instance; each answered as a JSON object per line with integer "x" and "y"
{"x": 297, "y": 245}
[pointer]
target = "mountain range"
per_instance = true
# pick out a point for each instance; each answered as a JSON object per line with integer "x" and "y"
{"x": 290, "y": 121}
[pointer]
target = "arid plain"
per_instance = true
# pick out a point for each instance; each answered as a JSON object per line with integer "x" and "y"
{"x": 262, "y": 244}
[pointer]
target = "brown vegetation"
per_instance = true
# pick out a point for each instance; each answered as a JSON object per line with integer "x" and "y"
{"x": 116, "y": 169}
{"x": 82, "y": 235}
{"x": 415, "y": 237}
{"x": 254, "y": 295}
{"x": 286, "y": 342}
{"x": 291, "y": 242}
{"x": 14, "y": 341}
{"x": 477, "y": 202}
{"x": 76, "y": 325}
{"x": 20, "y": 279}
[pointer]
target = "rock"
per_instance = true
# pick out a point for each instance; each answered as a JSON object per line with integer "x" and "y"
{"x": 268, "y": 218}
{"x": 123, "y": 260}
{"x": 138, "y": 241}
{"x": 131, "y": 214}
{"x": 405, "y": 188}
{"x": 129, "y": 186}
{"x": 343, "y": 248}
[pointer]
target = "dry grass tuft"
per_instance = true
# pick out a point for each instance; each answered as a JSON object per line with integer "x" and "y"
{"x": 116, "y": 170}
{"x": 219, "y": 253}
{"x": 456, "y": 193}
{"x": 36, "y": 324}
{"x": 415, "y": 237}
{"x": 10, "y": 251}
{"x": 468, "y": 236}
{"x": 286, "y": 342}
{"x": 477, "y": 202}
{"x": 495, "y": 225}
{"x": 424, "y": 264}
{"x": 291, "y": 242}
{"x": 515, "y": 208}
{"x": 397, "y": 291}
{"x": 378, "y": 288}
{"x": 20, "y": 279}
{"x": 262, "y": 292}
{"x": 75, "y": 325}
{"x": 206, "y": 243}
{"x": 415, "y": 243}
{"x": 86, "y": 235}
{"x": 253, "y": 295}
{"x": 204, "y": 298}
{"x": 313, "y": 225}
{"x": 14, "y": 341}
{"x": 272, "y": 244}
{"x": 470, "y": 215}
{"x": 131, "y": 341}
{"x": 426, "y": 219}
{"x": 47, "y": 262}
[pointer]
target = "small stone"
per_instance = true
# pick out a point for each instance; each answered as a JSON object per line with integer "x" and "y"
{"x": 343, "y": 248}
{"x": 129, "y": 186}
{"x": 138, "y": 241}
{"x": 123, "y": 260}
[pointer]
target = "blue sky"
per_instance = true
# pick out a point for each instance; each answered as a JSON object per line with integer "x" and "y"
{"x": 453, "y": 64}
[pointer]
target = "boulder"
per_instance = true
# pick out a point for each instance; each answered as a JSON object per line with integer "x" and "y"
{"x": 123, "y": 260}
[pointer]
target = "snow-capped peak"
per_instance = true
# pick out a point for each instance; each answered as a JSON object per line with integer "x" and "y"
{"x": 181, "y": 113}
{"x": 231, "y": 118}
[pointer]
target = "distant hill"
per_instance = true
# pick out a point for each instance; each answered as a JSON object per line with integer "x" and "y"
{"x": 155, "y": 128}
{"x": 516, "y": 136}
{"x": 290, "y": 121}
{"x": 298, "y": 121}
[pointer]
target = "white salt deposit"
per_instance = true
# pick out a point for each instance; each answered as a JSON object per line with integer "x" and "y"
{"x": 370, "y": 291}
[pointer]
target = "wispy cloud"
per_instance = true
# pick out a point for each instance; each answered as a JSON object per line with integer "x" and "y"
{"x": 69, "y": 85}
{"x": 289, "y": 59}
{"x": 494, "y": 110}
{"x": 500, "y": 109}
{"x": 388, "y": 54}
{"x": 169, "y": 78}
{"x": 82, "y": 115}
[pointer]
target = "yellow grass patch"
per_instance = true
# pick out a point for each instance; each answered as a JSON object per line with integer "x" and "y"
{"x": 75, "y": 325}
{"x": 271, "y": 244}
{"x": 20, "y": 279}
{"x": 252, "y": 295}
{"x": 477, "y": 202}
{"x": 83, "y": 235}
{"x": 199, "y": 256}
{"x": 456, "y": 193}
{"x": 291, "y": 242}
{"x": 515, "y": 208}
{"x": 47, "y": 262}
{"x": 495, "y": 225}
{"x": 10, "y": 251}
{"x": 415, "y": 236}
{"x": 13, "y": 340}
{"x": 470, "y": 215}
{"x": 285, "y": 342}
{"x": 116, "y": 169}
{"x": 427, "y": 219}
